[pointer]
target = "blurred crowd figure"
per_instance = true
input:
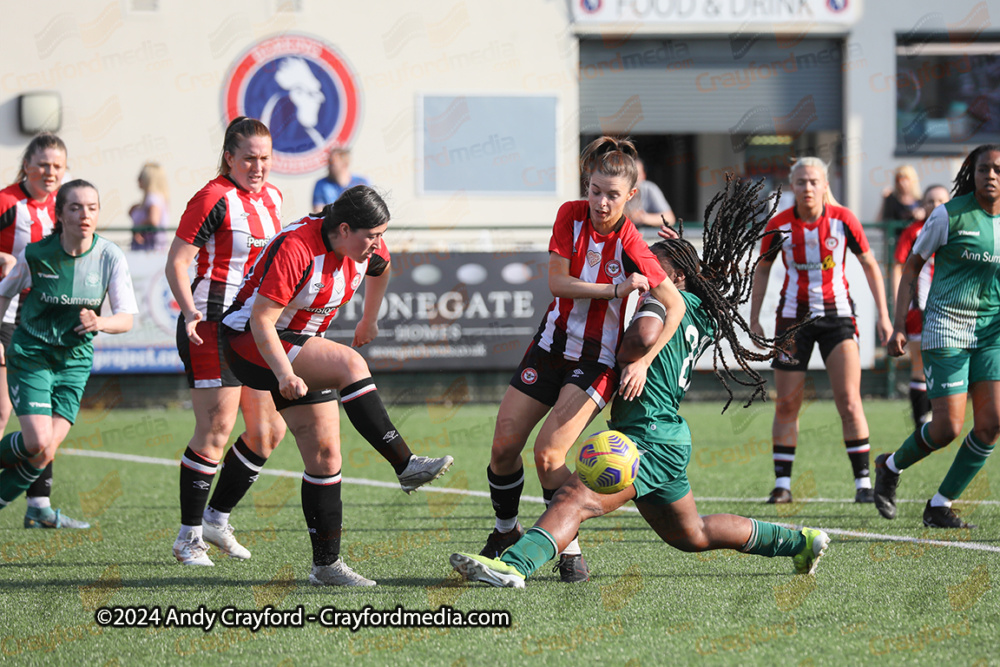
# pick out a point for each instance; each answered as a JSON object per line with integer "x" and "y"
{"x": 649, "y": 206}
{"x": 151, "y": 216}
{"x": 903, "y": 201}
{"x": 338, "y": 178}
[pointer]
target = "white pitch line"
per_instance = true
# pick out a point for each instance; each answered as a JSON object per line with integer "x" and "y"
{"x": 974, "y": 546}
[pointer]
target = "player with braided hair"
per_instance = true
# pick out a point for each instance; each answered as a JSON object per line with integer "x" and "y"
{"x": 597, "y": 258}
{"x": 711, "y": 292}
{"x": 960, "y": 341}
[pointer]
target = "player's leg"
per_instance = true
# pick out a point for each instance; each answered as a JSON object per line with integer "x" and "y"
{"x": 679, "y": 525}
{"x": 242, "y": 464}
{"x": 573, "y": 411}
{"x": 215, "y": 400}
{"x": 947, "y": 373}
{"x": 789, "y": 387}
{"x": 977, "y": 445}
{"x": 324, "y": 364}
{"x": 519, "y": 413}
{"x": 920, "y": 404}
{"x": 21, "y": 452}
{"x": 315, "y": 423}
{"x": 843, "y": 366}
{"x": 572, "y": 504}
{"x": 69, "y": 381}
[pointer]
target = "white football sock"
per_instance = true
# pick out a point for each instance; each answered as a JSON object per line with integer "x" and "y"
{"x": 940, "y": 501}
{"x": 783, "y": 483}
{"x": 890, "y": 463}
{"x": 573, "y": 548}
{"x": 182, "y": 536}
{"x": 39, "y": 502}
{"x": 506, "y": 525}
{"x": 216, "y": 517}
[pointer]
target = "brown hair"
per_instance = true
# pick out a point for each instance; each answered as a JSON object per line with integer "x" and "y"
{"x": 40, "y": 142}
{"x": 611, "y": 157}
{"x": 63, "y": 193}
{"x": 240, "y": 129}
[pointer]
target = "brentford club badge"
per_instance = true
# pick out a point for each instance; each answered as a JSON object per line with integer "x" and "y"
{"x": 529, "y": 376}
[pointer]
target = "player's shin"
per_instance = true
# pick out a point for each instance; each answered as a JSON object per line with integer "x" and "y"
{"x": 364, "y": 408}
{"x": 770, "y": 540}
{"x": 324, "y": 511}
{"x": 240, "y": 470}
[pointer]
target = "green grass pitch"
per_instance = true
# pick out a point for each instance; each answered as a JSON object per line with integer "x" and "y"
{"x": 874, "y": 599}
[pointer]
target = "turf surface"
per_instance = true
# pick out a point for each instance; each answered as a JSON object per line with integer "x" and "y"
{"x": 873, "y": 600}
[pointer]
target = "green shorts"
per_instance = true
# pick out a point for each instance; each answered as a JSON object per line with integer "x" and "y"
{"x": 950, "y": 370}
{"x": 47, "y": 381}
{"x": 662, "y": 477}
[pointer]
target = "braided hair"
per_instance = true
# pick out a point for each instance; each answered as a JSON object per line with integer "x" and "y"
{"x": 965, "y": 181}
{"x": 723, "y": 277}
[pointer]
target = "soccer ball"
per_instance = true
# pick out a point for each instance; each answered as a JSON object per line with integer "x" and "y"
{"x": 608, "y": 462}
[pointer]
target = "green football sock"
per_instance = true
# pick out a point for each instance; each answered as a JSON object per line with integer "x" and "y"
{"x": 770, "y": 540}
{"x": 12, "y": 450}
{"x": 15, "y": 480}
{"x": 914, "y": 448}
{"x": 970, "y": 458}
{"x": 533, "y": 550}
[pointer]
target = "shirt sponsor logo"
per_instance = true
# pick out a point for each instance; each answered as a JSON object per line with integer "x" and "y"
{"x": 827, "y": 264}
{"x": 302, "y": 89}
{"x": 67, "y": 300}
{"x": 321, "y": 311}
{"x": 253, "y": 242}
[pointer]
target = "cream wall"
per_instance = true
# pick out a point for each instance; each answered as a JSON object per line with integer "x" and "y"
{"x": 140, "y": 86}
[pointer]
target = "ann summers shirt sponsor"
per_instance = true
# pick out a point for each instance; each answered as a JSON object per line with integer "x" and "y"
{"x": 963, "y": 306}
{"x": 61, "y": 285}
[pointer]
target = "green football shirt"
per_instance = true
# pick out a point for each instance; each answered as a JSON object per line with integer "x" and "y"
{"x": 963, "y": 304}
{"x": 653, "y": 416}
{"x": 61, "y": 285}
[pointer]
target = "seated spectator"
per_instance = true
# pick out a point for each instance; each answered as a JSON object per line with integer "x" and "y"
{"x": 648, "y": 204}
{"x": 337, "y": 180}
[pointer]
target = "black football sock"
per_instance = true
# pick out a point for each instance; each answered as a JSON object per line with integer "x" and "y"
{"x": 197, "y": 473}
{"x": 505, "y": 492}
{"x": 239, "y": 471}
{"x": 41, "y": 487}
{"x": 364, "y": 408}
{"x": 324, "y": 514}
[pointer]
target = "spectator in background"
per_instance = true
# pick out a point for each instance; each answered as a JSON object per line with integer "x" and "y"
{"x": 153, "y": 211}
{"x": 648, "y": 204}
{"x": 933, "y": 197}
{"x": 337, "y": 180}
{"x": 903, "y": 201}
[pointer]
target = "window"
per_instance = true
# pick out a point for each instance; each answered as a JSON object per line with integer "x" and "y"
{"x": 947, "y": 93}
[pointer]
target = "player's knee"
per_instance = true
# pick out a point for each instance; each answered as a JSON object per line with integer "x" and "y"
{"x": 851, "y": 409}
{"x": 547, "y": 460}
{"x": 355, "y": 366}
{"x": 943, "y": 431}
{"x": 987, "y": 433}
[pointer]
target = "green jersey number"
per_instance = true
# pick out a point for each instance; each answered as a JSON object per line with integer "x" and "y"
{"x": 691, "y": 335}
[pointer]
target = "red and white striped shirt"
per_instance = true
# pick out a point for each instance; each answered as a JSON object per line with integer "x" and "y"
{"x": 299, "y": 270}
{"x": 903, "y": 249}
{"x": 814, "y": 253}
{"x": 22, "y": 221}
{"x": 230, "y": 226}
{"x": 590, "y": 329}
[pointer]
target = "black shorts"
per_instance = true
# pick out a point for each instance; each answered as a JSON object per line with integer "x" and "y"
{"x": 6, "y": 336}
{"x": 542, "y": 376}
{"x": 828, "y": 332}
{"x": 250, "y": 368}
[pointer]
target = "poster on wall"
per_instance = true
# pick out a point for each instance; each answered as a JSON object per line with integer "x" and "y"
{"x": 487, "y": 145}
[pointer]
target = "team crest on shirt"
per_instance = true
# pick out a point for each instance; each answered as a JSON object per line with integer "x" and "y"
{"x": 92, "y": 280}
{"x": 828, "y": 263}
{"x": 593, "y": 257}
{"x": 303, "y": 90}
{"x": 355, "y": 281}
{"x": 529, "y": 376}
{"x": 830, "y": 243}
{"x": 613, "y": 268}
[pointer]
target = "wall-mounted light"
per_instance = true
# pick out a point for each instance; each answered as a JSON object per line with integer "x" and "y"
{"x": 39, "y": 111}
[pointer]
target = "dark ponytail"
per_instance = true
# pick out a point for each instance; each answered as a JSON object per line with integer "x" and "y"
{"x": 965, "y": 181}
{"x": 240, "y": 129}
{"x": 360, "y": 207}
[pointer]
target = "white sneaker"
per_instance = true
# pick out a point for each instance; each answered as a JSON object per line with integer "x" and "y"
{"x": 423, "y": 470}
{"x": 192, "y": 551}
{"x": 222, "y": 537}
{"x": 337, "y": 574}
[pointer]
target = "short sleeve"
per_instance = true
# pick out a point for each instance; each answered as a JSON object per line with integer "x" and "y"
{"x": 854, "y": 233}
{"x": 934, "y": 234}
{"x": 287, "y": 262}
{"x": 639, "y": 258}
{"x": 18, "y": 279}
{"x": 120, "y": 291}
{"x": 204, "y": 214}
{"x": 379, "y": 260}
{"x": 657, "y": 203}
{"x": 561, "y": 242}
